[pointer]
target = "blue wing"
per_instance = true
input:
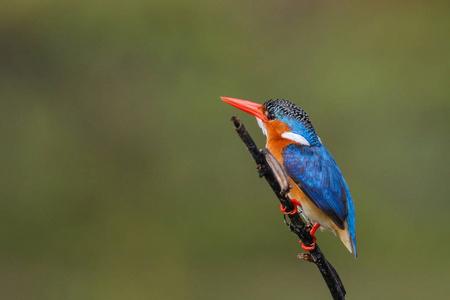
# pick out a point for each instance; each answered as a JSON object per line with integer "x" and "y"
{"x": 319, "y": 177}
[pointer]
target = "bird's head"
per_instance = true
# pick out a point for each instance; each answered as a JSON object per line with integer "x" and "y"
{"x": 280, "y": 119}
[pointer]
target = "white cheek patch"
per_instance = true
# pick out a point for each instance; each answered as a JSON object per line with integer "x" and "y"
{"x": 296, "y": 138}
{"x": 262, "y": 126}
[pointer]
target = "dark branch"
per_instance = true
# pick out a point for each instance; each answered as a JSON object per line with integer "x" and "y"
{"x": 275, "y": 175}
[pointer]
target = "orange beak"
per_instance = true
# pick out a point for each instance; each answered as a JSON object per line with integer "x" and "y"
{"x": 247, "y": 106}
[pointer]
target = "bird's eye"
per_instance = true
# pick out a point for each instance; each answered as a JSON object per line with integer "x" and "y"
{"x": 269, "y": 115}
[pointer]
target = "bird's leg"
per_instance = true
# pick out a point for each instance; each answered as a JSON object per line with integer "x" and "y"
{"x": 311, "y": 232}
{"x": 295, "y": 202}
{"x": 314, "y": 229}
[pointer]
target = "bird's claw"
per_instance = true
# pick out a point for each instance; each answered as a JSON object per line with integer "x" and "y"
{"x": 311, "y": 232}
{"x": 309, "y": 248}
{"x": 295, "y": 202}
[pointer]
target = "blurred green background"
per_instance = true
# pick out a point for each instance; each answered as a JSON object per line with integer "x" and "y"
{"x": 122, "y": 177}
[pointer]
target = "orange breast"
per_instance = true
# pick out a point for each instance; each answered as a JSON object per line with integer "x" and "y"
{"x": 275, "y": 143}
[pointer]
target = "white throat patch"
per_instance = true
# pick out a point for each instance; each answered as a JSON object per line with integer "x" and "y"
{"x": 262, "y": 126}
{"x": 296, "y": 138}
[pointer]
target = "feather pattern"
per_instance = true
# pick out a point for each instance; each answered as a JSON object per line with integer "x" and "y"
{"x": 317, "y": 174}
{"x": 319, "y": 177}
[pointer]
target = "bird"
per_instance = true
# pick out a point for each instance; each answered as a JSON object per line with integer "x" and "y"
{"x": 319, "y": 189}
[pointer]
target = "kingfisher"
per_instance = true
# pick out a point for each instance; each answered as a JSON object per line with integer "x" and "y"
{"x": 319, "y": 191}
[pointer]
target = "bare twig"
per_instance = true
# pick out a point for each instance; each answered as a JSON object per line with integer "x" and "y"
{"x": 275, "y": 175}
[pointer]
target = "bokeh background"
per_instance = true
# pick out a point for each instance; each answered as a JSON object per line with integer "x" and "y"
{"x": 122, "y": 177}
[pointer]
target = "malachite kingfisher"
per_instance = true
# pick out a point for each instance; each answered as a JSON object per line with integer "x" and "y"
{"x": 319, "y": 190}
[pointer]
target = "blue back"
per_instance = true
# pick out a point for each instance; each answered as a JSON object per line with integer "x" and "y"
{"x": 319, "y": 177}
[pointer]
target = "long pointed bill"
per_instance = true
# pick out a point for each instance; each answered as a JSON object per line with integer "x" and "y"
{"x": 247, "y": 106}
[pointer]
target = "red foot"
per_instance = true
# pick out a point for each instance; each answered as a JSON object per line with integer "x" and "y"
{"x": 295, "y": 202}
{"x": 314, "y": 229}
{"x": 312, "y": 232}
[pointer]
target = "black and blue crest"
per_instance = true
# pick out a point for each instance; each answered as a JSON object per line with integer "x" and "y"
{"x": 295, "y": 117}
